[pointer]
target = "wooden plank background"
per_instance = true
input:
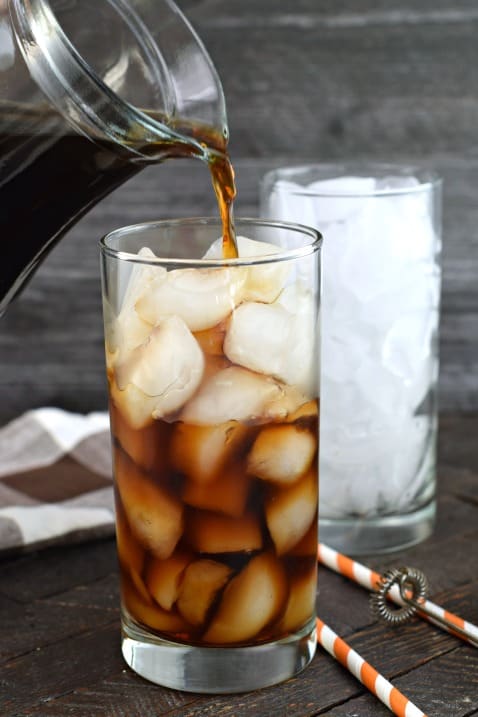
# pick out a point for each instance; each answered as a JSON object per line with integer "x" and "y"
{"x": 305, "y": 80}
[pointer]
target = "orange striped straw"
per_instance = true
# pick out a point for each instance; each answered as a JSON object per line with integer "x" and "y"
{"x": 365, "y": 673}
{"x": 370, "y": 580}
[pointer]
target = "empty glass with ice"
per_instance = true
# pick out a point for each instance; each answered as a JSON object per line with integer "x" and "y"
{"x": 379, "y": 365}
{"x": 213, "y": 380}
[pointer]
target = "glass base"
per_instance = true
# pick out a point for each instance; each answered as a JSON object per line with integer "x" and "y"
{"x": 216, "y": 670}
{"x": 387, "y": 534}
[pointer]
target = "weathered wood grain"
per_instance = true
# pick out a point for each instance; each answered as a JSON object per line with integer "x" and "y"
{"x": 57, "y": 570}
{"x": 26, "y": 628}
{"x": 337, "y": 78}
{"x": 457, "y": 563}
{"x": 41, "y": 675}
{"x": 122, "y": 695}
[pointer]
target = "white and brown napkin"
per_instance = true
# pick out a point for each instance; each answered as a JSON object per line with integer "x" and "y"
{"x": 55, "y": 479}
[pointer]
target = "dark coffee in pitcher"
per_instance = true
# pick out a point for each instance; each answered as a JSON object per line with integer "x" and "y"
{"x": 50, "y": 175}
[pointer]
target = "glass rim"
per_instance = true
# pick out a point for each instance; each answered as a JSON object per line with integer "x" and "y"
{"x": 427, "y": 179}
{"x": 282, "y": 255}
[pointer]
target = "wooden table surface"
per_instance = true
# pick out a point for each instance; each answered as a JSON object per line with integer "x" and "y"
{"x": 59, "y": 627}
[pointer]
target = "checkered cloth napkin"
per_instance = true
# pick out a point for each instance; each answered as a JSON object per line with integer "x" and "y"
{"x": 55, "y": 479}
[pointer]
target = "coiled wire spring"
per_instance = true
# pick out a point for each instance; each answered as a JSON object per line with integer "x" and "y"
{"x": 413, "y": 587}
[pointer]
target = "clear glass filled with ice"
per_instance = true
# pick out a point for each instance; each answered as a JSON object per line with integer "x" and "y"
{"x": 212, "y": 369}
{"x": 379, "y": 369}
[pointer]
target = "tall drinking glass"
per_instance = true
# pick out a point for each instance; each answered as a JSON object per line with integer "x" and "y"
{"x": 379, "y": 368}
{"x": 213, "y": 381}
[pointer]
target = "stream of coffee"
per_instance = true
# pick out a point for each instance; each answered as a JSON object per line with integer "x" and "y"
{"x": 215, "y": 154}
{"x": 50, "y": 176}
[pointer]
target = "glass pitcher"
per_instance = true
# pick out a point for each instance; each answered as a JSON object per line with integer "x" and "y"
{"x": 90, "y": 92}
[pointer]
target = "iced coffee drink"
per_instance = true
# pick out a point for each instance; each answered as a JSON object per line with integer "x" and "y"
{"x": 212, "y": 370}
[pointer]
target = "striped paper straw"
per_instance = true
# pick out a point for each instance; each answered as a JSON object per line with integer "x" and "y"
{"x": 365, "y": 673}
{"x": 370, "y": 580}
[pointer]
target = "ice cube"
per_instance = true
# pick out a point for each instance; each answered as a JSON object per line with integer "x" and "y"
{"x": 370, "y": 472}
{"x": 140, "y": 586}
{"x": 301, "y": 602}
{"x": 290, "y": 202}
{"x": 212, "y": 533}
{"x": 130, "y": 553}
{"x": 343, "y": 351}
{"x": 417, "y": 294}
{"x": 307, "y": 547}
{"x": 211, "y": 340}
{"x": 144, "y": 445}
{"x": 201, "y": 452}
{"x": 306, "y": 414}
{"x": 380, "y": 388}
{"x": 395, "y": 241}
{"x": 290, "y": 511}
{"x": 281, "y": 454}
{"x": 201, "y": 583}
{"x": 251, "y": 600}
{"x": 151, "y": 615}
{"x": 139, "y": 277}
{"x": 413, "y": 473}
{"x": 318, "y": 203}
{"x": 283, "y": 406}
{"x": 154, "y": 516}
{"x": 201, "y": 297}
{"x": 226, "y": 494}
{"x": 231, "y": 394}
{"x": 277, "y": 338}
{"x": 168, "y": 366}
{"x": 134, "y": 405}
{"x": 163, "y": 577}
{"x": 128, "y": 329}
{"x": 263, "y": 282}
{"x": 407, "y": 349}
{"x": 110, "y": 360}
{"x": 214, "y": 364}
